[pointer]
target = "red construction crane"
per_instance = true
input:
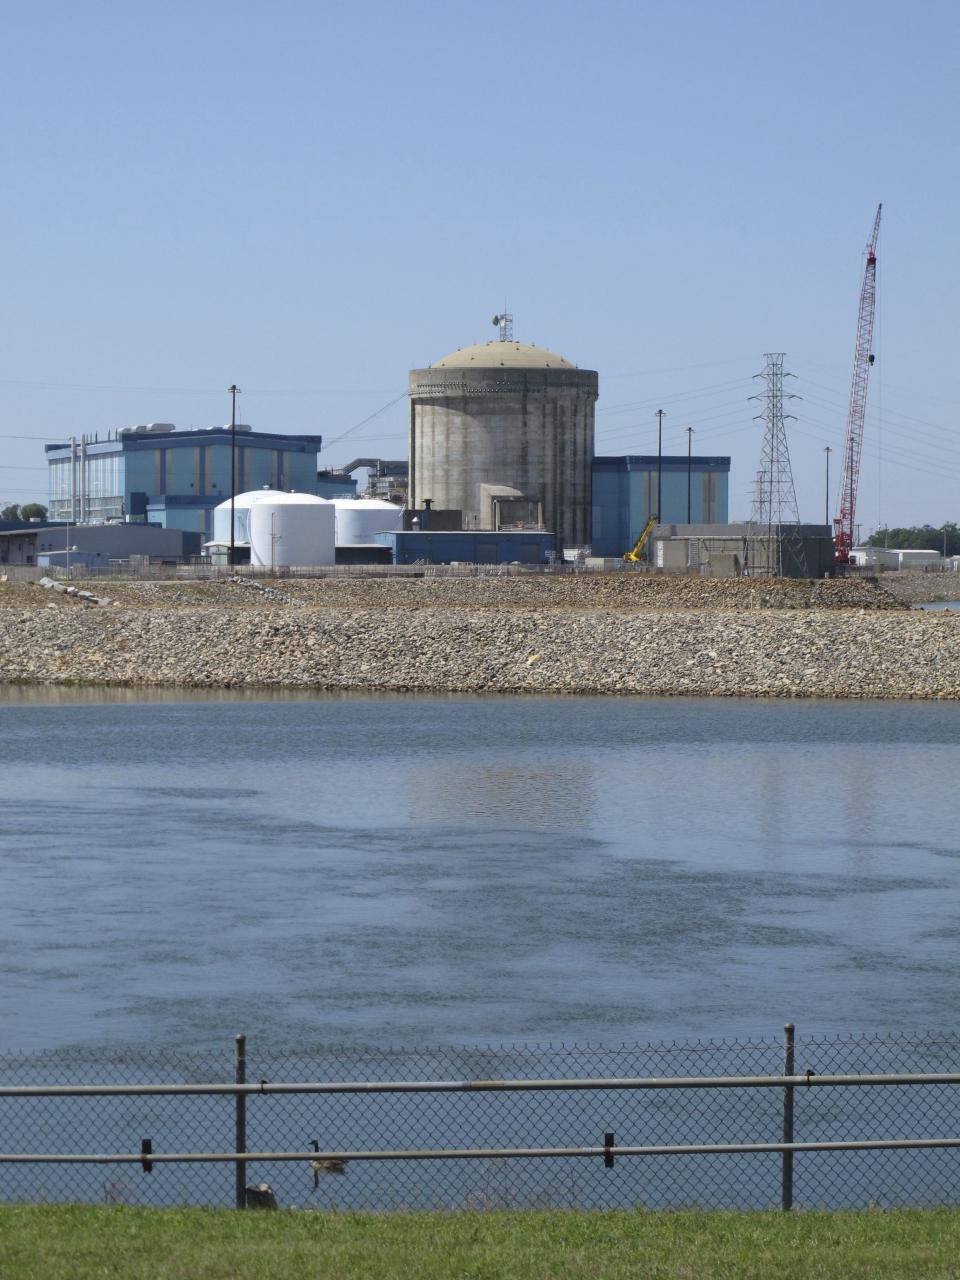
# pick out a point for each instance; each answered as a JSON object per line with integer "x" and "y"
{"x": 843, "y": 528}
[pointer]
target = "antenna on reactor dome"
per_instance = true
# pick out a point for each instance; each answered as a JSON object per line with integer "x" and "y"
{"x": 504, "y": 323}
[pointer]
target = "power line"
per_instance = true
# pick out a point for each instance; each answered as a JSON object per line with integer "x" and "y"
{"x": 357, "y": 425}
{"x": 931, "y": 443}
{"x": 189, "y": 391}
{"x": 839, "y": 396}
{"x": 695, "y": 394}
{"x": 680, "y": 368}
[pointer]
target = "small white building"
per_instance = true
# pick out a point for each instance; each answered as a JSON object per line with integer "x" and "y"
{"x": 896, "y": 558}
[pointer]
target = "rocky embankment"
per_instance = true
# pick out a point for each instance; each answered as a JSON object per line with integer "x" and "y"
{"x": 914, "y": 587}
{"x": 624, "y": 590}
{"x": 586, "y": 634}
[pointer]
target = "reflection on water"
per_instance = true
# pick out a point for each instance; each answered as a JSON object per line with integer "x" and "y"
{"x": 558, "y": 793}
{"x": 472, "y": 869}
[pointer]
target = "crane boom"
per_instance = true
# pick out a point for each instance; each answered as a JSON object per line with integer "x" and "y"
{"x": 843, "y": 524}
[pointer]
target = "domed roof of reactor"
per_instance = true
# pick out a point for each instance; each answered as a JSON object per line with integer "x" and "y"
{"x": 506, "y": 355}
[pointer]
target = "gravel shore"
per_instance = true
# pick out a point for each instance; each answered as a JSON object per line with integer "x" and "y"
{"x": 585, "y": 634}
{"x": 910, "y": 586}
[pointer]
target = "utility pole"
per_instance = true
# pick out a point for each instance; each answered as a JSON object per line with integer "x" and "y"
{"x": 234, "y": 391}
{"x": 73, "y": 497}
{"x": 689, "y": 471}
{"x": 659, "y": 465}
{"x": 826, "y": 508}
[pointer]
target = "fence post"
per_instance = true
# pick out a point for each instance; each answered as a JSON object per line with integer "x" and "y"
{"x": 786, "y": 1177}
{"x": 240, "y": 1119}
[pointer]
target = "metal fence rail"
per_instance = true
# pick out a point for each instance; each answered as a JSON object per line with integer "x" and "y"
{"x": 796, "y": 1122}
{"x": 201, "y": 570}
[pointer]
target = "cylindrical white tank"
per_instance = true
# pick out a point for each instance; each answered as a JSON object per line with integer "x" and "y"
{"x": 292, "y": 529}
{"x": 242, "y": 505}
{"x": 358, "y": 519}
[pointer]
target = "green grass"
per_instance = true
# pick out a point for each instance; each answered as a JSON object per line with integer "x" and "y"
{"x": 89, "y": 1243}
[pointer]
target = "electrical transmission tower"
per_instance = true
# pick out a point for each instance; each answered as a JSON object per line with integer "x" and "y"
{"x": 775, "y": 517}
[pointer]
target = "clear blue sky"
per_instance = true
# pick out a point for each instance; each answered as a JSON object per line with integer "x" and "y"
{"x": 310, "y": 199}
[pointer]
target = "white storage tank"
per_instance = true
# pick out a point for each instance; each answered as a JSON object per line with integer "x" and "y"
{"x": 242, "y": 504}
{"x": 289, "y": 529}
{"x": 359, "y": 519}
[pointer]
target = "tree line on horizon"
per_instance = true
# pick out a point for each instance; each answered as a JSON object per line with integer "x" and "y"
{"x": 921, "y": 537}
{"x": 29, "y": 511}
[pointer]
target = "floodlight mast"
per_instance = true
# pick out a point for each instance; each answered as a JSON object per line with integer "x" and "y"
{"x": 843, "y": 524}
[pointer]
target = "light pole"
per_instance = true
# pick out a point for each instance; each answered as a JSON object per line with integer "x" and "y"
{"x": 826, "y": 500}
{"x": 234, "y": 392}
{"x": 72, "y": 513}
{"x": 689, "y": 470}
{"x": 659, "y": 463}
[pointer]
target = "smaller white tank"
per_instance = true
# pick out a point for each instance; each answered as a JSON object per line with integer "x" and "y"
{"x": 358, "y": 519}
{"x": 242, "y": 505}
{"x": 289, "y": 529}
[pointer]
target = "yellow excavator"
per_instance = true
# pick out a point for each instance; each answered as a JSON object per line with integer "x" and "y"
{"x": 633, "y": 555}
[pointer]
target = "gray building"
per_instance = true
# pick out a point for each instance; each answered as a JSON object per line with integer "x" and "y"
{"x": 744, "y": 550}
{"x": 94, "y": 544}
{"x": 503, "y": 432}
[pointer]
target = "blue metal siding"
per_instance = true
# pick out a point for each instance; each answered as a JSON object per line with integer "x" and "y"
{"x": 175, "y": 516}
{"x": 179, "y": 471}
{"x": 473, "y": 548}
{"x": 188, "y": 470}
{"x": 342, "y": 487}
{"x": 625, "y": 495}
{"x": 138, "y": 473}
{"x": 257, "y": 468}
{"x": 217, "y": 467}
{"x": 300, "y": 471}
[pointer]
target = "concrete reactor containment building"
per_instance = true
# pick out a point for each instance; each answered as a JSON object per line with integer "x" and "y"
{"x": 503, "y": 432}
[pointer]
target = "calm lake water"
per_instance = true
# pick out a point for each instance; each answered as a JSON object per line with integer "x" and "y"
{"x": 464, "y": 870}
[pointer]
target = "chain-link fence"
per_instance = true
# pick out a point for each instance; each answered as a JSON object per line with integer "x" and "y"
{"x": 201, "y": 570}
{"x": 471, "y": 1116}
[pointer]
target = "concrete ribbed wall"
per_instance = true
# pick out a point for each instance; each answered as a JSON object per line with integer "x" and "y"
{"x": 525, "y": 429}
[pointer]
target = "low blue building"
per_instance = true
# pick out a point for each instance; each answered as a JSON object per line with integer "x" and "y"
{"x": 528, "y": 546}
{"x": 625, "y": 496}
{"x": 159, "y": 475}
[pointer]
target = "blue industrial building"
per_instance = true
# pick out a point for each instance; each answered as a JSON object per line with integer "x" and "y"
{"x": 155, "y": 474}
{"x": 625, "y": 496}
